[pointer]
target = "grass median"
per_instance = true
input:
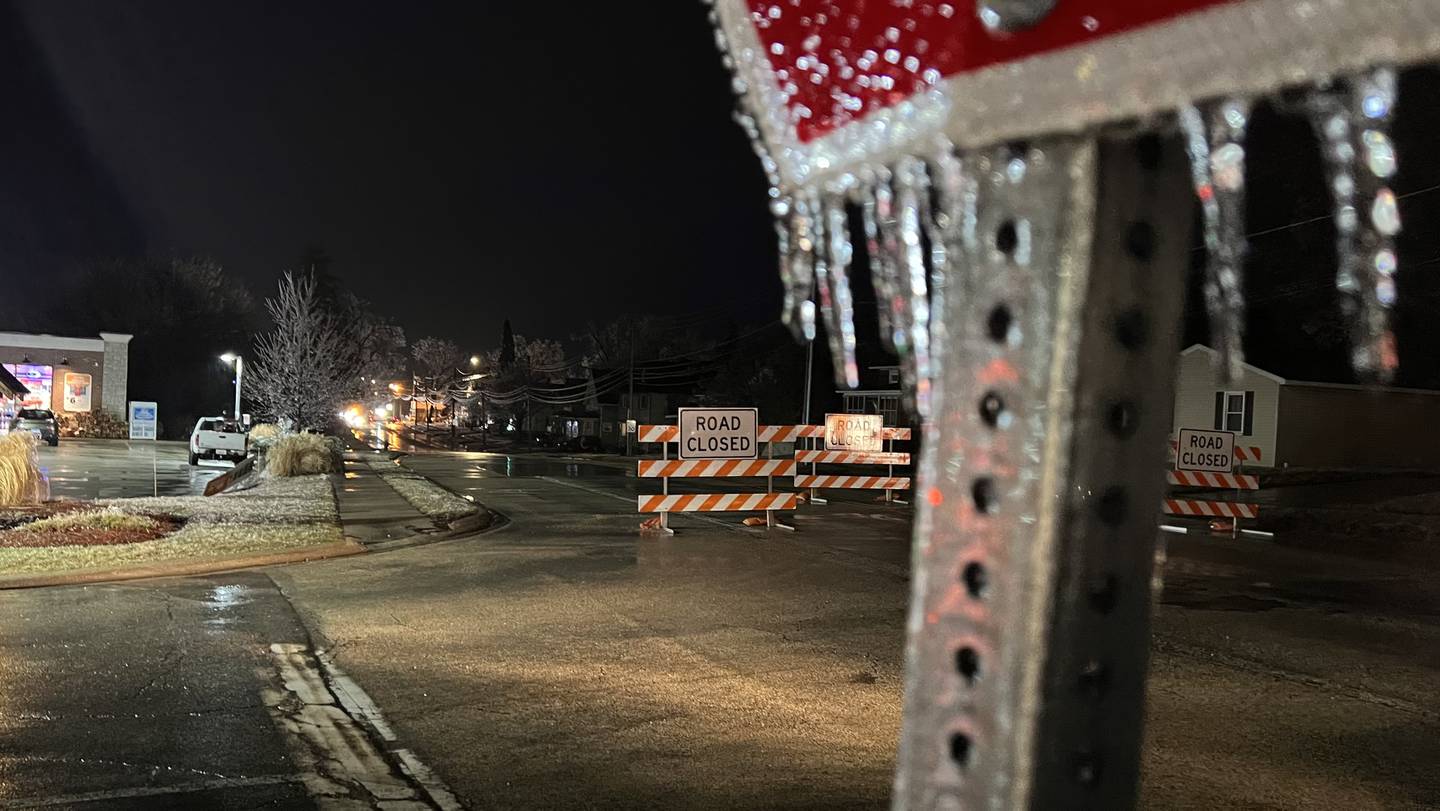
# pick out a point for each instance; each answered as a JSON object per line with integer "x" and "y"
{"x": 276, "y": 516}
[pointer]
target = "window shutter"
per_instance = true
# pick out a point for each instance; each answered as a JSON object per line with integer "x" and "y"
{"x": 1219, "y": 410}
{"x": 1249, "y": 411}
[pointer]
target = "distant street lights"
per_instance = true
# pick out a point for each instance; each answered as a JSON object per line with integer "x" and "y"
{"x": 231, "y": 357}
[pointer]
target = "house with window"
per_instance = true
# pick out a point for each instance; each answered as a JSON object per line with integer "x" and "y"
{"x": 879, "y": 393}
{"x": 1307, "y": 423}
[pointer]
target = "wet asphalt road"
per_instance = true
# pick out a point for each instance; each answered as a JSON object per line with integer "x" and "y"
{"x": 563, "y": 661}
{"x": 117, "y": 468}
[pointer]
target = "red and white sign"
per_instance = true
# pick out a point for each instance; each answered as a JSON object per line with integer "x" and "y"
{"x": 832, "y": 86}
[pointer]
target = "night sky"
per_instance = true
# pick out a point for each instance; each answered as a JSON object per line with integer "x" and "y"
{"x": 549, "y": 164}
{"x": 460, "y": 165}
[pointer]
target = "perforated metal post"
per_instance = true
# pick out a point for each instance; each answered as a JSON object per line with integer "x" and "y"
{"x": 1034, "y": 551}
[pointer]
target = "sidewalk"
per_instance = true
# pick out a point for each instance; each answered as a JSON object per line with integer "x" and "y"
{"x": 371, "y": 512}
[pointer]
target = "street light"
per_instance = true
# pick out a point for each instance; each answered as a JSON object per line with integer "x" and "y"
{"x": 231, "y": 357}
{"x": 475, "y": 360}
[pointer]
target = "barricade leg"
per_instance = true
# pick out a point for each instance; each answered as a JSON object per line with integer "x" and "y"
{"x": 665, "y": 490}
{"x": 771, "y": 522}
{"x": 815, "y": 498}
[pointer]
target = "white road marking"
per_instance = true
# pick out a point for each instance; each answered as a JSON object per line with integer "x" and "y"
{"x": 325, "y": 721}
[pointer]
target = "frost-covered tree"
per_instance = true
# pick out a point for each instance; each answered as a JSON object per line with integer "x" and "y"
{"x": 436, "y": 359}
{"x": 297, "y": 377}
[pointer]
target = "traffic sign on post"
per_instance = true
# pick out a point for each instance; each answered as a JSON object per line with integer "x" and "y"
{"x": 1205, "y": 451}
{"x": 144, "y": 420}
{"x": 718, "y": 433}
{"x": 854, "y": 432}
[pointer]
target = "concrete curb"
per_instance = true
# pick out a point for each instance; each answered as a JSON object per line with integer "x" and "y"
{"x": 183, "y": 568}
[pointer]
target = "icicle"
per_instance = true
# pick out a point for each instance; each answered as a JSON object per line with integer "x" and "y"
{"x": 883, "y": 251}
{"x": 841, "y": 321}
{"x": 799, "y": 312}
{"x": 1353, "y": 123}
{"x": 910, "y": 302}
{"x": 943, "y": 225}
{"x": 824, "y": 292}
{"x": 784, "y": 237}
{"x": 1215, "y": 140}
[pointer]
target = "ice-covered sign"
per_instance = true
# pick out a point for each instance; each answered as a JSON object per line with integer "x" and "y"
{"x": 718, "y": 433}
{"x": 1204, "y": 451}
{"x": 144, "y": 419}
{"x": 854, "y": 432}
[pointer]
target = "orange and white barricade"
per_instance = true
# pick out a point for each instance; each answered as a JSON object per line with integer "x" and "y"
{"x": 1203, "y": 508}
{"x": 665, "y": 468}
{"x": 815, "y": 455}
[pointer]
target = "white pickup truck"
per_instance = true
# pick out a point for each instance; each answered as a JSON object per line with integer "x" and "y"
{"x": 218, "y": 438}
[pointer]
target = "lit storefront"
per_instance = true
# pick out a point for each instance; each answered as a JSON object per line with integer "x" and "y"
{"x": 70, "y": 376}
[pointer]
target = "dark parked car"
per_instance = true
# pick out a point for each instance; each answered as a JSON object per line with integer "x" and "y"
{"x": 38, "y": 421}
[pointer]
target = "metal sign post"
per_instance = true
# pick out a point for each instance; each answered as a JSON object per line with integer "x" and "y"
{"x": 1028, "y": 629}
{"x": 1028, "y": 249}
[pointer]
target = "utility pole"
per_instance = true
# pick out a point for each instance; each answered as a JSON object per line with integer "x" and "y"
{"x": 809, "y": 367}
{"x": 630, "y": 401}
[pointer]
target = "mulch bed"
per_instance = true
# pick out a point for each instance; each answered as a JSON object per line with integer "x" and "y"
{"x": 13, "y": 538}
{"x": 11, "y": 517}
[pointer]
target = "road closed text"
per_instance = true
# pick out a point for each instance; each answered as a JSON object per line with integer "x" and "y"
{"x": 718, "y": 433}
{"x": 1205, "y": 451}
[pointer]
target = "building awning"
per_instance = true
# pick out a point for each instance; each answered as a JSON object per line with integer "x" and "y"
{"x": 10, "y": 386}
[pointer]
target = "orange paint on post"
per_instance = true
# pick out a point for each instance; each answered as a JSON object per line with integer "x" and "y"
{"x": 935, "y": 497}
{"x": 998, "y": 370}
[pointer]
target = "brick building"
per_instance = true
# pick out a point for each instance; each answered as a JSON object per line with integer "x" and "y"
{"x": 67, "y": 375}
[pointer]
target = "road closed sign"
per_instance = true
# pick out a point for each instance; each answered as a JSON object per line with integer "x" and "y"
{"x": 854, "y": 432}
{"x": 718, "y": 433}
{"x": 1205, "y": 451}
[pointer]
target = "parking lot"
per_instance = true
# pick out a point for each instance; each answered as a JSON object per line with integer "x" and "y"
{"x": 117, "y": 468}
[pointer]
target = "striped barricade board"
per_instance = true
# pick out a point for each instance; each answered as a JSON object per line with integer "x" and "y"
{"x": 1232, "y": 481}
{"x": 713, "y": 468}
{"x": 765, "y": 433}
{"x": 717, "y": 502}
{"x": 853, "y": 457}
{"x": 854, "y": 482}
{"x": 1210, "y": 509}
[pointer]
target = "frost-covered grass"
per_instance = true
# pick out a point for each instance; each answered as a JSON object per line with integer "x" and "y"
{"x": 277, "y": 515}
{"x": 110, "y": 519}
{"x": 434, "y": 501}
{"x": 292, "y": 500}
{"x": 197, "y": 542}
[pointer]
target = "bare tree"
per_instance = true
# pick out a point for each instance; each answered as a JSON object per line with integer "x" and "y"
{"x": 436, "y": 359}
{"x": 298, "y": 377}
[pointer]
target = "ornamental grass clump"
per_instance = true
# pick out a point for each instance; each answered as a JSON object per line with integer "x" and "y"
{"x": 263, "y": 435}
{"x": 107, "y": 519}
{"x": 302, "y": 455}
{"x": 20, "y": 480}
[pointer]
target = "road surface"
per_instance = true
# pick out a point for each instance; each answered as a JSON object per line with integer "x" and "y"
{"x": 564, "y": 661}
